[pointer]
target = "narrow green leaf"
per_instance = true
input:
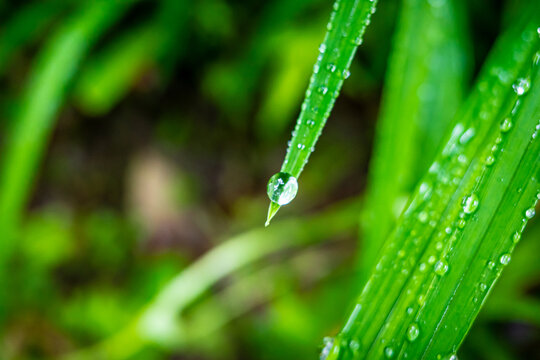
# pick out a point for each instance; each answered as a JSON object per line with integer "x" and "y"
{"x": 157, "y": 323}
{"x": 110, "y": 75}
{"x": 457, "y": 233}
{"x": 26, "y": 25}
{"x": 346, "y": 27}
{"x": 53, "y": 71}
{"x": 424, "y": 88}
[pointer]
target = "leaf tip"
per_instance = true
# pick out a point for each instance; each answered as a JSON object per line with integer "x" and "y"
{"x": 272, "y": 210}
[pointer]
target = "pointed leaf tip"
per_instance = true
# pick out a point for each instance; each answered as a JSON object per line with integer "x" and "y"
{"x": 272, "y": 210}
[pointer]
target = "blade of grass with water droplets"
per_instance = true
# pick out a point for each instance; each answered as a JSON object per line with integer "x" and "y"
{"x": 423, "y": 90}
{"x": 346, "y": 27}
{"x": 461, "y": 205}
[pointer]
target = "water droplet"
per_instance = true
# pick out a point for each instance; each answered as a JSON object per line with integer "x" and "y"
{"x": 422, "y": 216}
{"x": 354, "y": 346}
{"x": 345, "y": 74}
{"x": 521, "y": 86}
{"x": 461, "y": 223}
{"x": 331, "y": 68}
{"x": 483, "y": 286}
{"x": 491, "y": 265}
{"x": 323, "y": 90}
{"x": 409, "y": 310}
{"x": 413, "y": 332}
{"x": 316, "y": 68}
{"x": 282, "y": 188}
{"x": 357, "y": 40}
{"x": 516, "y": 237}
{"x": 490, "y": 160}
{"x": 322, "y": 48}
{"x": 422, "y": 267}
{"x": 470, "y": 203}
{"x": 529, "y": 213}
{"x": 328, "y": 344}
{"x": 506, "y": 125}
{"x": 467, "y": 136}
{"x": 310, "y": 123}
{"x": 388, "y": 352}
{"x": 441, "y": 267}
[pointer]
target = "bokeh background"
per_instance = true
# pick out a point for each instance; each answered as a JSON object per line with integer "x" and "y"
{"x": 165, "y": 137}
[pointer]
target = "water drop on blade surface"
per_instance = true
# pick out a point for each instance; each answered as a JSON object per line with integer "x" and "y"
{"x": 281, "y": 189}
{"x": 470, "y": 203}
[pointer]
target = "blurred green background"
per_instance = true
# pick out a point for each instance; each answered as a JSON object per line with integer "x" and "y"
{"x": 168, "y": 127}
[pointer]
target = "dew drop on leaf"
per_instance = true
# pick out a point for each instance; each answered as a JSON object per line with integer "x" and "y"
{"x": 505, "y": 259}
{"x": 506, "y": 125}
{"x": 388, "y": 352}
{"x": 413, "y": 332}
{"x": 282, "y": 188}
{"x": 441, "y": 267}
{"x": 470, "y": 203}
{"x": 529, "y": 213}
{"x": 521, "y": 86}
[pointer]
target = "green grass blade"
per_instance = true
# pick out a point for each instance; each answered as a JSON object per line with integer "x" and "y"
{"x": 28, "y": 24}
{"x": 456, "y": 235}
{"x": 32, "y": 126}
{"x": 423, "y": 90}
{"x": 111, "y": 74}
{"x": 157, "y": 322}
{"x": 346, "y": 27}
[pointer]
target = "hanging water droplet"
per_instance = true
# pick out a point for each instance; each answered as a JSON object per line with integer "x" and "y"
{"x": 282, "y": 188}
{"x": 413, "y": 332}
{"x": 505, "y": 259}
{"x": 316, "y": 68}
{"x": 529, "y": 213}
{"x": 470, "y": 203}
{"x": 506, "y": 125}
{"x": 521, "y": 86}
{"x": 388, "y": 352}
{"x": 345, "y": 74}
{"x": 441, "y": 267}
{"x": 322, "y": 48}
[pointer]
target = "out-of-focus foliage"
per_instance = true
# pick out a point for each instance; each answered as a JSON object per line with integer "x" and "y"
{"x": 136, "y": 138}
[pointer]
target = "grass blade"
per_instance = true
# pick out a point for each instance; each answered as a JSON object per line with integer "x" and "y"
{"x": 157, "y": 322}
{"x": 32, "y": 126}
{"x": 424, "y": 88}
{"x": 456, "y": 234}
{"x": 346, "y": 27}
